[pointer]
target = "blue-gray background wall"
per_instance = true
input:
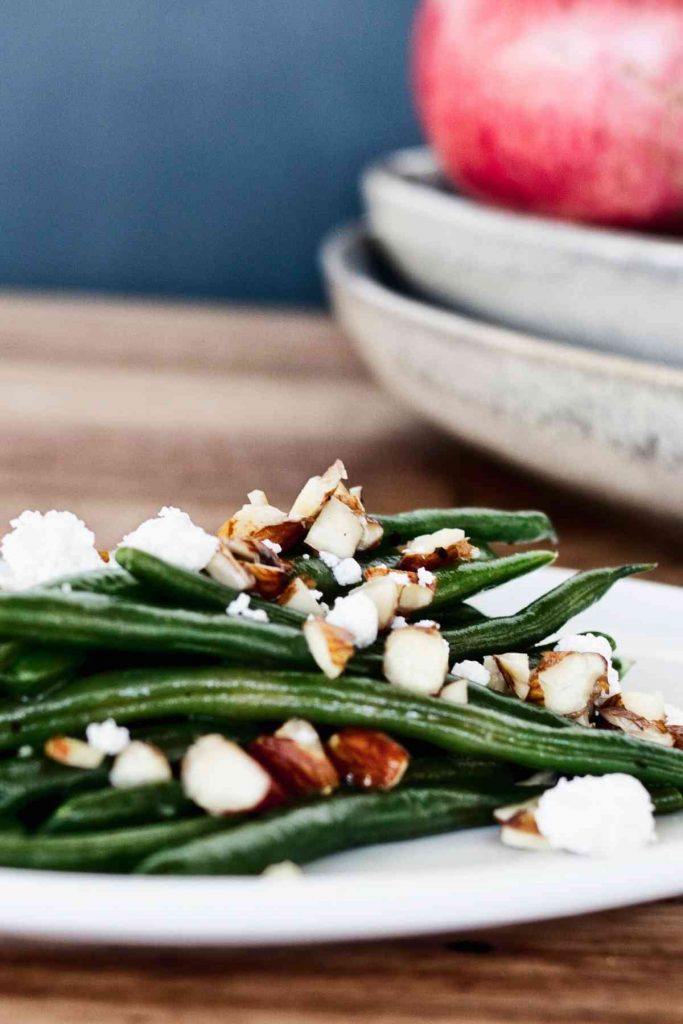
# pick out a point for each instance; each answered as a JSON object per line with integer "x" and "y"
{"x": 191, "y": 148}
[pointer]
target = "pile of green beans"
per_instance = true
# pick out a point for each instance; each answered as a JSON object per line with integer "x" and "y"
{"x": 150, "y": 645}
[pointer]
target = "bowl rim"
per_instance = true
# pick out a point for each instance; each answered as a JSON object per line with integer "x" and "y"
{"x": 398, "y": 175}
{"x": 343, "y": 257}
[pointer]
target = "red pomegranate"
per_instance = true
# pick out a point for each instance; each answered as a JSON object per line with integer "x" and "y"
{"x": 572, "y": 108}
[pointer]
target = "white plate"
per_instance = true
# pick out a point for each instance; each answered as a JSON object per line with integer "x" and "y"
{"x": 613, "y": 290}
{"x": 448, "y": 883}
{"x": 591, "y": 421}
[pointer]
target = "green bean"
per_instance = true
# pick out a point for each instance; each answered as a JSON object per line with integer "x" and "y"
{"x": 451, "y": 770}
{"x": 457, "y": 616}
{"x": 36, "y": 669}
{"x": 93, "y": 621}
{"x": 245, "y": 694}
{"x": 305, "y": 833}
{"x": 111, "y": 581}
{"x": 480, "y": 524}
{"x": 192, "y": 589}
{"x": 118, "y": 850}
{"x": 539, "y": 619}
{"x": 322, "y": 577}
{"x": 121, "y": 808}
{"x": 666, "y": 799}
{"x": 482, "y": 697}
{"x": 455, "y": 583}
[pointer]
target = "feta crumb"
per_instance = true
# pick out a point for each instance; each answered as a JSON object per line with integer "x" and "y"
{"x": 240, "y": 608}
{"x": 66, "y": 588}
{"x": 174, "y": 538}
{"x": 589, "y": 643}
{"x": 674, "y": 715}
{"x": 25, "y": 751}
{"x": 43, "y": 547}
{"x": 286, "y": 869}
{"x": 107, "y": 736}
{"x": 472, "y": 671}
{"x": 427, "y": 624}
{"x": 357, "y": 614}
{"x": 330, "y": 560}
{"x": 347, "y": 571}
{"x": 306, "y": 557}
{"x": 425, "y": 577}
{"x": 398, "y": 622}
{"x": 598, "y": 816}
{"x": 276, "y": 548}
{"x": 139, "y": 764}
{"x": 475, "y": 553}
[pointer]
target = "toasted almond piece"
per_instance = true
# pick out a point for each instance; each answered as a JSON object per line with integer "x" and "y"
{"x": 455, "y": 692}
{"x": 569, "y": 683}
{"x": 412, "y": 594}
{"x": 225, "y": 568}
{"x": 258, "y": 498}
{"x": 337, "y": 529}
{"x": 357, "y": 492}
{"x": 301, "y": 731}
{"x": 645, "y": 705}
{"x": 139, "y": 764}
{"x": 617, "y": 715}
{"x": 249, "y": 519}
{"x": 519, "y": 826}
{"x": 432, "y": 550}
{"x": 352, "y": 501}
{"x": 287, "y": 533}
{"x": 315, "y": 492}
{"x": 497, "y": 680}
{"x": 72, "y": 752}
{"x": 269, "y": 580}
{"x": 373, "y": 533}
{"x": 222, "y": 778}
{"x": 515, "y": 670}
{"x": 367, "y": 758}
{"x": 330, "y": 647}
{"x": 301, "y": 598}
{"x": 416, "y": 659}
{"x": 300, "y": 768}
{"x": 384, "y": 593}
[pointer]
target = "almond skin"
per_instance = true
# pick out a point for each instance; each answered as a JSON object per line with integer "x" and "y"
{"x": 462, "y": 551}
{"x": 368, "y": 759}
{"x": 301, "y": 770}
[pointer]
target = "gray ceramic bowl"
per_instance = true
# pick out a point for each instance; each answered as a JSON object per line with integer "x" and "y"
{"x": 602, "y": 423}
{"x": 612, "y": 290}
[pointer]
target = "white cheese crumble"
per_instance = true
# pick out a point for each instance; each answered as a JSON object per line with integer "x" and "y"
{"x": 174, "y": 538}
{"x": 347, "y": 571}
{"x": 306, "y": 557}
{"x": 43, "y": 547}
{"x": 427, "y": 624}
{"x": 398, "y": 622}
{"x": 598, "y": 816}
{"x": 472, "y": 671}
{"x": 107, "y": 736}
{"x": 240, "y": 608}
{"x": 274, "y": 547}
{"x": 674, "y": 715}
{"x": 25, "y": 751}
{"x": 425, "y": 577}
{"x": 589, "y": 643}
{"x": 329, "y": 559}
{"x": 357, "y": 614}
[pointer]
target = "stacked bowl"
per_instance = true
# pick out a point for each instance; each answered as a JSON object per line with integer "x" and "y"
{"x": 557, "y": 346}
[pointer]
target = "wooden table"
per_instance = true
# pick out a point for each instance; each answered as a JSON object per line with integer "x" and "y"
{"x": 113, "y": 409}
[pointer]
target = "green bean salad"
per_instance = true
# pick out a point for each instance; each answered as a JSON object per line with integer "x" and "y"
{"x": 303, "y": 682}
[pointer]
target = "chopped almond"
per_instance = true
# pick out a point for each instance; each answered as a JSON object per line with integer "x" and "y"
{"x": 258, "y": 498}
{"x": 416, "y": 659}
{"x": 249, "y": 519}
{"x": 455, "y": 692}
{"x": 316, "y": 491}
{"x": 412, "y": 593}
{"x": 337, "y": 529}
{"x": 569, "y": 683}
{"x": 72, "y": 752}
{"x": 286, "y": 534}
{"x": 225, "y": 568}
{"x": 269, "y": 580}
{"x": 139, "y": 764}
{"x": 221, "y": 778}
{"x": 384, "y": 594}
{"x": 301, "y": 768}
{"x": 519, "y": 826}
{"x": 432, "y": 550}
{"x": 301, "y": 598}
{"x": 497, "y": 681}
{"x": 515, "y": 671}
{"x": 625, "y": 711}
{"x": 367, "y": 758}
{"x": 373, "y": 534}
{"x": 331, "y": 647}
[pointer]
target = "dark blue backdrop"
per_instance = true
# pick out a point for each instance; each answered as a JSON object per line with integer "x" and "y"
{"x": 199, "y": 147}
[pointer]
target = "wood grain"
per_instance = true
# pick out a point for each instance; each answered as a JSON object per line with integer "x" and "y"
{"x": 114, "y": 408}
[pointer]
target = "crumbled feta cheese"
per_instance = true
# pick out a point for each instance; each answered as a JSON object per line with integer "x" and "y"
{"x": 174, "y": 538}
{"x": 427, "y": 624}
{"x": 25, "y": 751}
{"x": 598, "y": 816}
{"x": 589, "y": 643}
{"x": 473, "y": 671}
{"x": 274, "y": 547}
{"x": 66, "y": 588}
{"x": 357, "y": 614}
{"x": 139, "y": 764}
{"x": 240, "y": 608}
{"x": 398, "y": 622}
{"x": 425, "y": 577}
{"x": 306, "y": 557}
{"x": 674, "y": 715}
{"x": 329, "y": 559}
{"x": 347, "y": 571}
{"x": 107, "y": 736}
{"x": 43, "y": 547}
{"x": 475, "y": 553}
